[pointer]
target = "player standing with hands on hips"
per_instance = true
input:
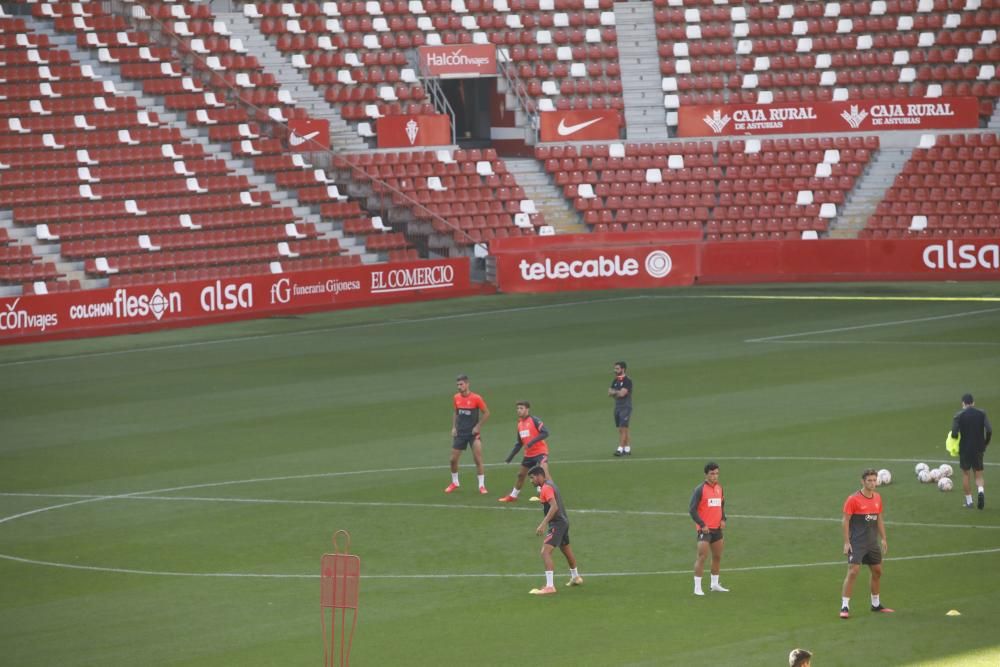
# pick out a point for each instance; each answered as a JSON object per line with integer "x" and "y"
{"x": 531, "y": 435}
{"x": 708, "y": 509}
{"x": 469, "y": 416}
{"x": 976, "y": 431}
{"x": 863, "y": 529}
{"x": 621, "y": 391}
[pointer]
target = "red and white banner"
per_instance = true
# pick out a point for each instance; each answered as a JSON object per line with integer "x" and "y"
{"x": 413, "y": 130}
{"x": 614, "y": 261}
{"x": 459, "y": 61}
{"x": 941, "y": 113}
{"x": 596, "y": 268}
{"x": 309, "y": 134}
{"x": 126, "y": 309}
{"x": 850, "y": 260}
{"x": 585, "y": 125}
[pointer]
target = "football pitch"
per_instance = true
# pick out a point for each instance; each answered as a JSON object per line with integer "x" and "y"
{"x": 165, "y": 498}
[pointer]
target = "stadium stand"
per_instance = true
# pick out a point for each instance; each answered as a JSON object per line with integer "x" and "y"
{"x": 763, "y": 53}
{"x": 733, "y": 190}
{"x": 950, "y": 186}
{"x": 564, "y": 51}
{"x": 123, "y": 193}
{"x": 471, "y": 189}
{"x": 116, "y": 186}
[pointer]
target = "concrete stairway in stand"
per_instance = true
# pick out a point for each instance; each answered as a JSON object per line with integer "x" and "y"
{"x": 342, "y": 136}
{"x": 548, "y": 197}
{"x": 645, "y": 117}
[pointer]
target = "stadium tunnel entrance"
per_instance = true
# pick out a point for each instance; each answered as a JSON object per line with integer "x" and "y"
{"x": 471, "y": 99}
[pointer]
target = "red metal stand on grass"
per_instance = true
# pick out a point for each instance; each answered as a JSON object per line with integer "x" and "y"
{"x": 340, "y": 573}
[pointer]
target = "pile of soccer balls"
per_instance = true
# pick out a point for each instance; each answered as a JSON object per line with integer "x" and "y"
{"x": 940, "y": 476}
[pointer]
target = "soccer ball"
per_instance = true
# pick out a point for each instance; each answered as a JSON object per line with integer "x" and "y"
{"x": 924, "y": 476}
{"x": 921, "y": 466}
{"x": 935, "y": 474}
{"x": 884, "y": 477}
{"x": 946, "y": 470}
{"x": 945, "y": 484}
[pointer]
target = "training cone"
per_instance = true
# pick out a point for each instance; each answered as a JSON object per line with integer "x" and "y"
{"x": 953, "y": 612}
{"x": 534, "y": 499}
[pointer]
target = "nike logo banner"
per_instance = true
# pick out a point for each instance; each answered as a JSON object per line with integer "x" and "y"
{"x": 582, "y": 125}
{"x": 309, "y": 134}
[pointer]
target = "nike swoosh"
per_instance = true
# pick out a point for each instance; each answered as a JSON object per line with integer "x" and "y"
{"x": 565, "y": 130}
{"x": 296, "y": 140}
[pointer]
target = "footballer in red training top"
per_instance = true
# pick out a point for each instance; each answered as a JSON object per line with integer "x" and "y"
{"x": 467, "y": 420}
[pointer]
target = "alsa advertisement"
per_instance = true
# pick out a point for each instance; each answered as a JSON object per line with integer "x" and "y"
{"x": 309, "y": 134}
{"x": 118, "y": 310}
{"x": 940, "y": 113}
{"x": 597, "y": 268}
{"x": 585, "y": 125}
{"x": 460, "y": 61}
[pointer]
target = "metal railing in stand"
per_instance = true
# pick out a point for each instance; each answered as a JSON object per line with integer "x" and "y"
{"x": 433, "y": 90}
{"x": 506, "y": 69}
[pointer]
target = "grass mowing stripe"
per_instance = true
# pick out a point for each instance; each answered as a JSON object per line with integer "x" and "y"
{"x": 874, "y": 325}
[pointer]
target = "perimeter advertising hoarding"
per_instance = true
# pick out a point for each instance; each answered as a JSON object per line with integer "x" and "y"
{"x": 137, "y": 308}
{"x": 609, "y": 265}
{"x": 850, "y": 260}
{"x": 615, "y": 267}
{"x": 909, "y": 113}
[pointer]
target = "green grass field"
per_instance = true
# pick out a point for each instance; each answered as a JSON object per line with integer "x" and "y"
{"x": 165, "y": 498}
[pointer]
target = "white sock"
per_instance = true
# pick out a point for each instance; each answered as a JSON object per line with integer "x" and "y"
{"x": 981, "y": 490}
{"x": 514, "y": 493}
{"x": 968, "y": 500}
{"x": 875, "y": 601}
{"x": 573, "y": 573}
{"x": 454, "y": 478}
{"x": 715, "y": 580}
{"x": 845, "y": 602}
{"x": 482, "y": 480}
{"x": 697, "y": 583}
{"x": 550, "y": 578}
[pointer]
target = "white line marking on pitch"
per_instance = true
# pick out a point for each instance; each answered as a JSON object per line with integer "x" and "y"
{"x": 490, "y": 508}
{"x": 258, "y": 480}
{"x": 309, "y": 332}
{"x": 894, "y": 343}
{"x": 80, "y": 499}
{"x": 873, "y": 325}
{"x": 437, "y": 318}
{"x": 486, "y": 575}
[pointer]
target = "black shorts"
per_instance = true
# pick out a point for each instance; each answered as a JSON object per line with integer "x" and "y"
{"x": 557, "y": 535}
{"x": 864, "y": 555}
{"x": 711, "y": 535}
{"x": 622, "y": 416}
{"x": 971, "y": 460}
{"x": 463, "y": 440}
{"x": 530, "y": 462}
